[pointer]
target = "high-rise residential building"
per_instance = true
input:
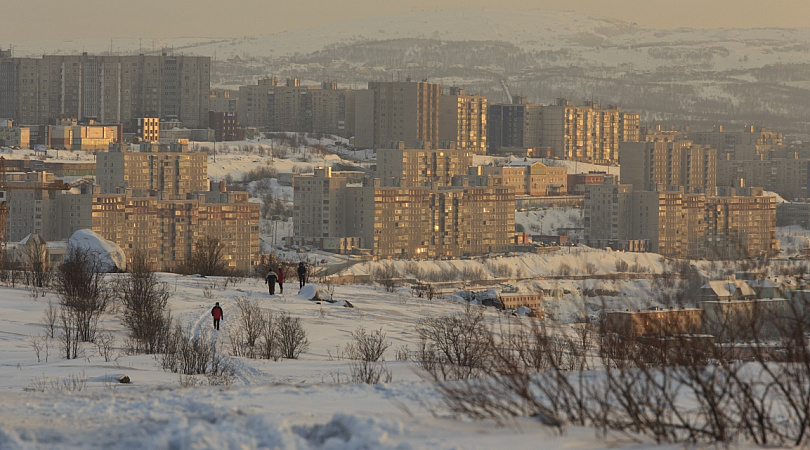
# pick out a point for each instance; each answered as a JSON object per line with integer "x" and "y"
{"x": 587, "y": 133}
{"x": 152, "y": 203}
{"x": 423, "y": 166}
{"x": 515, "y": 125}
{"x": 667, "y": 165}
{"x": 107, "y": 88}
{"x": 331, "y": 208}
{"x": 463, "y": 120}
{"x": 605, "y": 215}
{"x": 531, "y": 177}
{"x": 168, "y": 230}
{"x": 168, "y": 169}
{"x": 788, "y": 177}
{"x": 332, "y": 110}
{"x": 292, "y": 107}
{"x": 398, "y": 111}
{"x": 449, "y": 221}
{"x": 748, "y": 144}
{"x": 734, "y": 224}
{"x": 422, "y": 206}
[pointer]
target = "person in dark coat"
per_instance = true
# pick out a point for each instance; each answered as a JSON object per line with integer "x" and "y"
{"x": 217, "y": 314}
{"x": 280, "y": 280}
{"x": 302, "y": 274}
{"x": 270, "y": 279}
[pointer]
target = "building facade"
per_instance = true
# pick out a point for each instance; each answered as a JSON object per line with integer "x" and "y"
{"x": 463, "y": 120}
{"x": 398, "y": 111}
{"x": 107, "y": 88}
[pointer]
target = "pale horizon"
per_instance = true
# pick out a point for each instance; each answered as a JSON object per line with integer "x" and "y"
{"x": 150, "y": 19}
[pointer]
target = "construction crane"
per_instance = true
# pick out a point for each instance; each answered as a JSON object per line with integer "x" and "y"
{"x": 59, "y": 185}
{"x": 506, "y": 92}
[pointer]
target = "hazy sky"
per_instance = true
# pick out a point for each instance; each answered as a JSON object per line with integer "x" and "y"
{"x": 51, "y": 19}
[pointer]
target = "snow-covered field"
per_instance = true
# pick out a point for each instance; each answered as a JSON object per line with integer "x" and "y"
{"x": 51, "y": 402}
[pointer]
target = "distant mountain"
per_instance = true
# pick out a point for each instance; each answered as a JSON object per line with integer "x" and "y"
{"x": 704, "y": 77}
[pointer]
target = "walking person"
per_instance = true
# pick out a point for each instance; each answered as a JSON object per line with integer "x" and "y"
{"x": 280, "y": 280}
{"x": 302, "y": 274}
{"x": 270, "y": 280}
{"x": 217, "y": 314}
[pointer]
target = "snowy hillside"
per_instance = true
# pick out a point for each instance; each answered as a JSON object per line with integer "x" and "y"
{"x": 51, "y": 402}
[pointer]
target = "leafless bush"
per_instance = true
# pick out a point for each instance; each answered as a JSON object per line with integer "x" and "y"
{"x": 70, "y": 335}
{"x": 50, "y": 319}
{"x": 369, "y": 372}
{"x": 386, "y": 276}
{"x": 71, "y": 383}
{"x": 365, "y": 346}
{"x": 42, "y": 346}
{"x": 207, "y": 258}
{"x": 145, "y": 301}
{"x": 673, "y": 389}
{"x": 453, "y": 347}
{"x": 250, "y": 320}
{"x": 499, "y": 270}
{"x": 104, "y": 343}
{"x": 292, "y": 338}
{"x": 82, "y": 291}
{"x": 622, "y": 266}
{"x": 564, "y": 270}
{"x": 191, "y": 354}
{"x": 403, "y": 353}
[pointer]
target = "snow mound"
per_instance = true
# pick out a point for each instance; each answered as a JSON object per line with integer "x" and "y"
{"x": 112, "y": 256}
{"x": 349, "y": 432}
{"x": 308, "y": 292}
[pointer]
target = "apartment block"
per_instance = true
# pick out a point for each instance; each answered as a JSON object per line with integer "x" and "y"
{"x": 451, "y": 221}
{"x": 168, "y": 170}
{"x": 167, "y": 230}
{"x": 515, "y": 125}
{"x": 531, "y": 177}
{"x": 587, "y": 133}
{"x": 668, "y": 165}
{"x": 750, "y": 143}
{"x": 108, "y": 88}
{"x": 332, "y": 207}
{"x": 402, "y": 220}
{"x": 423, "y": 166}
{"x": 292, "y": 107}
{"x": 725, "y": 225}
{"x": 398, "y": 111}
{"x": 463, "y": 120}
{"x": 788, "y": 177}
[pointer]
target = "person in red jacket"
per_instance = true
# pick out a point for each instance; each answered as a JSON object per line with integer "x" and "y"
{"x": 216, "y": 312}
{"x": 280, "y": 280}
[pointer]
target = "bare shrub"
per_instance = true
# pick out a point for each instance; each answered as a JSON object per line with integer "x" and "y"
{"x": 365, "y": 346}
{"x": 369, "y": 372}
{"x": 292, "y": 338}
{"x": 251, "y": 320}
{"x": 193, "y": 354}
{"x": 453, "y": 347}
{"x": 145, "y": 301}
{"x": 82, "y": 291}
{"x": 386, "y": 276}
{"x": 622, "y": 266}
{"x": 207, "y": 258}
{"x": 104, "y": 344}
{"x": 50, "y": 320}
{"x": 564, "y": 270}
